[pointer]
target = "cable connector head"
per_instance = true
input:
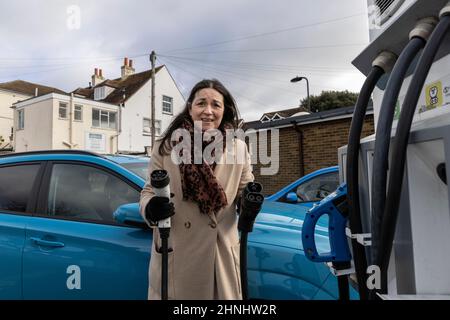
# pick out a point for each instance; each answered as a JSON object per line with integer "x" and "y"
{"x": 385, "y": 60}
{"x": 424, "y": 28}
{"x": 445, "y": 11}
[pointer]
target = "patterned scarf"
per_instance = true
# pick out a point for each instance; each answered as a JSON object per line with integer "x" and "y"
{"x": 198, "y": 181}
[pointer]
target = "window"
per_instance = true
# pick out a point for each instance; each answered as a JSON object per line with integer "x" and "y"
{"x": 98, "y": 193}
{"x": 78, "y": 112}
{"x": 99, "y": 93}
{"x": 14, "y": 196}
{"x": 167, "y": 103}
{"x": 276, "y": 117}
{"x": 63, "y": 110}
{"x": 316, "y": 188}
{"x": 157, "y": 127}
{"x": 112, "y": 120}
{"x": 95, "y": 118}
{"x": 21, "y": 119}
{"x": 147, "y": 127}
{"x": 103, "y": 119}
{"x": 140, "y": 168}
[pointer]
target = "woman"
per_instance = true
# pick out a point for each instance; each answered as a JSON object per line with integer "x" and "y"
{"x": 204, "y": 241}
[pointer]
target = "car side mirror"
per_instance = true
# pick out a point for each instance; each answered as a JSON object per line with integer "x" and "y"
{"x": 291, "y": 197}
{"x": 129, "y": 214}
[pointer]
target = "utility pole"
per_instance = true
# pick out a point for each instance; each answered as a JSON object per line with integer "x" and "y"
{"x": 152, "y": 60}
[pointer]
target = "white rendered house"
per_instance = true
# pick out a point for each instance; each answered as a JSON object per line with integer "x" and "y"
{"x": 132, "y": 94}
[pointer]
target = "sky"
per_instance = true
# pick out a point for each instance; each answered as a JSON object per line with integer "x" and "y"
{"x": 254, "y": 47}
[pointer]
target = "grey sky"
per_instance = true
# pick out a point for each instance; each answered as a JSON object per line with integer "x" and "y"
{"x": 38, "y": 45}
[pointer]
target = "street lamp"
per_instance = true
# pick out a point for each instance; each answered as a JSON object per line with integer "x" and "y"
{"x": 297, "y": 79}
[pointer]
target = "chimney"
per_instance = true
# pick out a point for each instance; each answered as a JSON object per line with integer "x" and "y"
{"x": 127, "y": 68}
{"x": 97, "y": 77}
{"x": 36, "y": 91}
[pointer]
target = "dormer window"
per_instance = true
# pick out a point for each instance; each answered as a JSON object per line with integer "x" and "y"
{"x": 265, "y": 118}
{"x": 100, "y": 93}
{"x": 277, "y": 117}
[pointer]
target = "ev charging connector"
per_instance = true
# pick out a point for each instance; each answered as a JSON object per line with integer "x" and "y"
{"x": 250, "y": 205}
{"x": 159, "y": 180}
{"x": 339, "y": 258}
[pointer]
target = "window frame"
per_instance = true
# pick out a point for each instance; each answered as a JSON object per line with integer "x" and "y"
{"x": 59, "y": 109}
{"x": 99, "y": 93}
{"x": 34, "y": 193}
{"x": 100, "y": 119}
{"x": 276, "y": 117}
{"x": 294, "y": 188}
{"x": 21, "y": 124}
{"x": 42, "y": 203}
{"x": 75, "y": 112}
{"x": 145, "y": 133}
{"x": 167, "y": 102}
{"x": 311, "y": 180}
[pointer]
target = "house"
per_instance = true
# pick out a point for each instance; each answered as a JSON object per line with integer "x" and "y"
{"x": 10, "y": 93}
{"x": 64, "y": 121}
{"x": 309, "y": 142}
{"x": 132, "y": 94}
{"x": 282, "y": 114}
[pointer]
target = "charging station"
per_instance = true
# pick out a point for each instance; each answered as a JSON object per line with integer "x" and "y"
{"x": 420, "y": 222}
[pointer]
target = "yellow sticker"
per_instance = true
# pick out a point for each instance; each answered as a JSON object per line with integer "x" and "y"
{"x": 433, "y": 94}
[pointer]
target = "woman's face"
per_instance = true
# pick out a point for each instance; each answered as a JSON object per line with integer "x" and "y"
{"x": 207, "y": 107}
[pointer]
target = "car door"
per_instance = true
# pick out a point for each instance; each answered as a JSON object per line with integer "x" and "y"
{"x": 74, "y": 249}
{"x": 18, "y": 183}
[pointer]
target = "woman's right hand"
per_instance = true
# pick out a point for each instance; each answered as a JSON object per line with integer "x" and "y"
{"x": 159, "y": 208}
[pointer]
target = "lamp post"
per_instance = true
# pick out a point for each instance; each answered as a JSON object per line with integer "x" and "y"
{"x": 297, "y": 79}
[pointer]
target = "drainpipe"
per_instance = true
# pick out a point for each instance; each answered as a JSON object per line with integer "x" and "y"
{"x": 300, "y": 147}
{"x": 71, "y": 122}
{"x": 70, "y": 144}
{"x": 119, "y": 122}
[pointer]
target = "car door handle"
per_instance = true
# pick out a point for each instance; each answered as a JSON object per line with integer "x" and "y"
{"x": 46, "y": 243}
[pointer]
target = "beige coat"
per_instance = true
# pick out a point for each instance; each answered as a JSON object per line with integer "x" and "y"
{"x": 204, "y": 263}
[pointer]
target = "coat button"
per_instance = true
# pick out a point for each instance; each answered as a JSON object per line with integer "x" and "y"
{"x": 187, "y": 224}
{"x": 212, "y": 225}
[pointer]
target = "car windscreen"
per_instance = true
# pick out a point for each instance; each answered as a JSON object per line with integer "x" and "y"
{"x": 139, "y": 168}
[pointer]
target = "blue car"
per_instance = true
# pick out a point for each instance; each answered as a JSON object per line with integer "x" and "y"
{"x": 70, "y": 229}
{"x": 276, "y": 261}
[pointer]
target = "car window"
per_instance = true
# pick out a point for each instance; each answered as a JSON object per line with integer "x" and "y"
{"x": 139, "y": 168}
{"x": 314, "y": 189}
{"x": 16, "y": 183}
{"x": 84, "y": 192}
{"x": 318, "y": 187}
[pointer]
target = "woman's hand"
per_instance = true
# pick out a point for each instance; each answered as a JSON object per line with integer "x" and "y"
{"x": 159, "y": 208}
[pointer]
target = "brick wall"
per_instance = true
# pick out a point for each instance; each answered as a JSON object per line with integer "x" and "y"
{"x": 320, "y": 143}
